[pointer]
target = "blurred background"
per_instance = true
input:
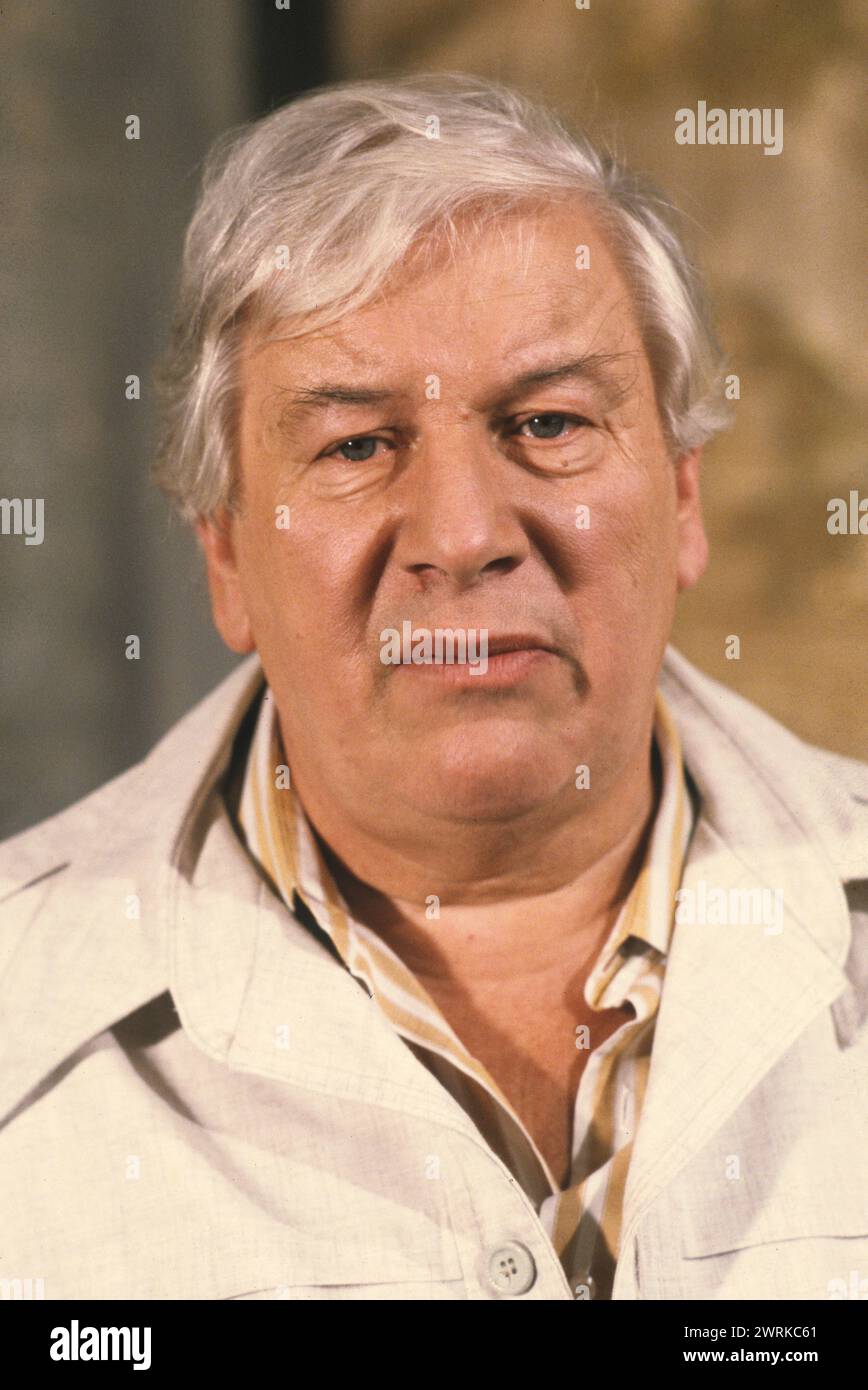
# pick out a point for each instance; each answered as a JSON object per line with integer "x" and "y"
{"x": 92, "y": 234}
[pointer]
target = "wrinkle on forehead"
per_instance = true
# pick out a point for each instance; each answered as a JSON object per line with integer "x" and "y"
{"x": 543, "y": 329}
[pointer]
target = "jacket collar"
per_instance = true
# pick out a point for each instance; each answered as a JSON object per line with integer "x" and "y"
{"x": 743, "y": 760}
{"x": 94, "y": 880}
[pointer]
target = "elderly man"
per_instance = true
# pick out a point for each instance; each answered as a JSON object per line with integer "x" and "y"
{"x": 466, "y": 943}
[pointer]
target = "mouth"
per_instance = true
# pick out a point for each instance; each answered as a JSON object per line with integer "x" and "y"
{"x": 507, "y": 660}
{"x": 519, "y": 642}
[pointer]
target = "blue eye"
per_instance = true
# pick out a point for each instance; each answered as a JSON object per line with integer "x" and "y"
{"x": 358, "y": 450}
{"x": 548, "y": 425}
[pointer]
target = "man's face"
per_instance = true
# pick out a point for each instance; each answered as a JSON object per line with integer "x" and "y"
{"x": 477, "y": 448}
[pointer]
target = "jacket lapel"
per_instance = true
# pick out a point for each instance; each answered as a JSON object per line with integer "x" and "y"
{"x": 735, "y": 998}
{"x": 738, "y": 993}
{"x": 255, "y": 990}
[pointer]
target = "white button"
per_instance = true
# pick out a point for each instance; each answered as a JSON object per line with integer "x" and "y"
{"x": 511, "y": 1268}
{"x": 584, "y": 1287}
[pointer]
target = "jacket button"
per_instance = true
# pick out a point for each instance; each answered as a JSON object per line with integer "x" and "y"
{"x": 511, "y": 1268}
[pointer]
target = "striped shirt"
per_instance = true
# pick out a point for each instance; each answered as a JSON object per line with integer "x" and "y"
{"x": 582, "y": 1220}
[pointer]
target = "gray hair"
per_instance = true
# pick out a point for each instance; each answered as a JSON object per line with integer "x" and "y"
{"x": 303, "y": 214}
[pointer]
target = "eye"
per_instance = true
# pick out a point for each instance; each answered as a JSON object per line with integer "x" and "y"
{"x": 357, "y": 450}
{"x": 549, "y": 424}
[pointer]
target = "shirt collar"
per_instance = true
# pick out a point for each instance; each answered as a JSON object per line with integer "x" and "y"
{"x": 648, "y": 914}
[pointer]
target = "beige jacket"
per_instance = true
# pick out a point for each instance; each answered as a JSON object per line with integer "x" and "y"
{"x": 274, "y": 1138}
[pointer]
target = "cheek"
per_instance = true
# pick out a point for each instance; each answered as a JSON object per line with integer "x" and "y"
{"x": 632, "y": 529}
{"x": 626, "y": 561}
{"x": 303, "y": 578}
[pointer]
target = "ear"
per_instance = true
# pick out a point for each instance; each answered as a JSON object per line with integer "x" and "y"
{"x": 229, "y": 610}
{"x": 692, "y": 540}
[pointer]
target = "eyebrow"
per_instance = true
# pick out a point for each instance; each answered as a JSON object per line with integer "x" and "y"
{"x": 596, "y": 367}
{"x": 593, "y": 367}
{"x": 324, "y": 395}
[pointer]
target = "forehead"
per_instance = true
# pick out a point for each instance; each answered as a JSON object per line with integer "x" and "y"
{"x": 498, "y": 291}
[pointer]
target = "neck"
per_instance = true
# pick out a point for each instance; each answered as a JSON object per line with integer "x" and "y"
{"x": 498, "y": 904}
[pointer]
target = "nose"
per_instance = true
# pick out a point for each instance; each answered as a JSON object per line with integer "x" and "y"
{"x": 459, "y": 520}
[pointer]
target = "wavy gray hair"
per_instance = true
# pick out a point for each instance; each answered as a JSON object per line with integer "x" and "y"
{"x": 302, "y": 215}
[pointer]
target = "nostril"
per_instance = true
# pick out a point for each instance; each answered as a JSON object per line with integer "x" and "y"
{"x": 504, "y": 565}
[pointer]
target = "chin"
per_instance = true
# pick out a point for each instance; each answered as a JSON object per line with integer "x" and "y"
{"x": 492, "y": 778}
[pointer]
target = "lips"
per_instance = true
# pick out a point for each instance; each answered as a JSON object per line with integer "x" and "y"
{"x": 518, "y": 642}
